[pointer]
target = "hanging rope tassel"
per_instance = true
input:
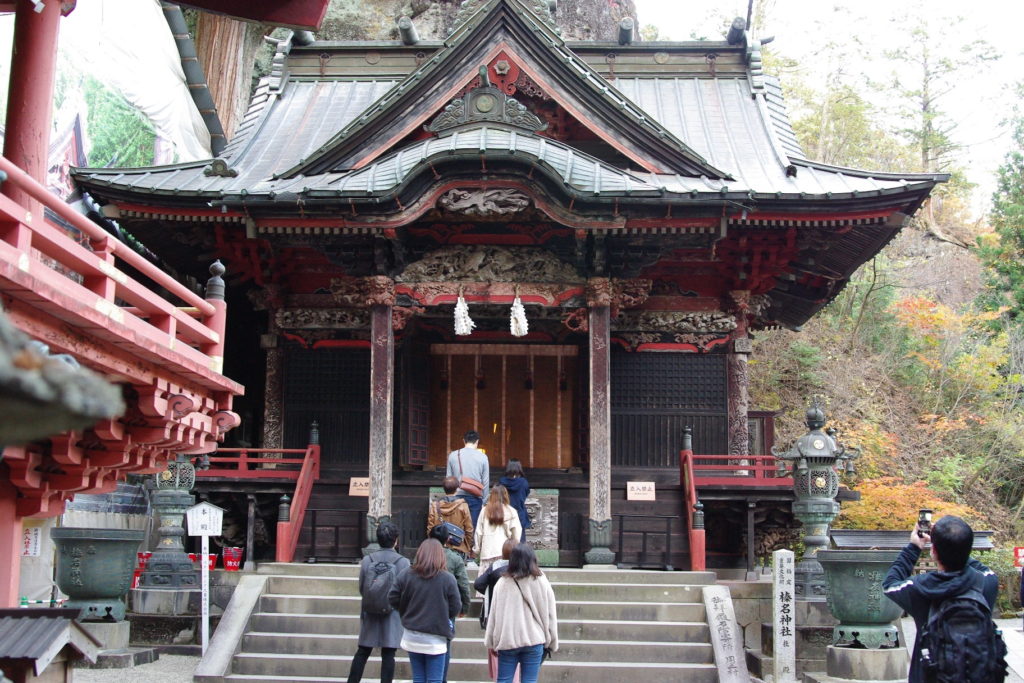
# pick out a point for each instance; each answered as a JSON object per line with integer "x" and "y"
{"x": 519, "y": 325}
{"x": 463, "y": 323}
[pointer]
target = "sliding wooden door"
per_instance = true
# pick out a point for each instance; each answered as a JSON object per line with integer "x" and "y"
{"x": 519, "y": 397}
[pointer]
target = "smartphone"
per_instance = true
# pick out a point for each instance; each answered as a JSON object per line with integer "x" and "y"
{"x": 924, "y": 522}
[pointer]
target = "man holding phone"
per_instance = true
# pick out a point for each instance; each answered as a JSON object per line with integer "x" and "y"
{"x": 925, "y": 597}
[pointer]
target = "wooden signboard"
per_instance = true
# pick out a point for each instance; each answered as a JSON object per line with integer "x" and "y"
{"x": 640, "y": 490}
{"x": 359, "y": 486}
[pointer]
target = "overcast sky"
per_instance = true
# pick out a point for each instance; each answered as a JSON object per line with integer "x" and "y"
{"x": 983, "y": 99}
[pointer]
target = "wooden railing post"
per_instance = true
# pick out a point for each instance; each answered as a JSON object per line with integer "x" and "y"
{"x": 217, "y": 322}
{"x": 698, "y": 555}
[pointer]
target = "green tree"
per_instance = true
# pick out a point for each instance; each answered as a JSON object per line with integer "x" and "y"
{"x": 1002, "y": 251}
{"x": 121, "y": 134}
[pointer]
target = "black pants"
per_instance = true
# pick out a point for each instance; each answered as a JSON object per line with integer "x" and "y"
{"x": 387, "y": 664}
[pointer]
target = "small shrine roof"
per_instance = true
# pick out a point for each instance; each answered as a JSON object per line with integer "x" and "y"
{"x": 38, "y": 635}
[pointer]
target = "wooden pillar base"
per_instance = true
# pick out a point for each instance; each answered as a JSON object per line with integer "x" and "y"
{"x": 10, "y": 544}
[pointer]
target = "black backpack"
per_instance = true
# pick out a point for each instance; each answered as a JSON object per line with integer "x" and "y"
{"x": 382, "y": 577}
{"x": 960, "y": 643}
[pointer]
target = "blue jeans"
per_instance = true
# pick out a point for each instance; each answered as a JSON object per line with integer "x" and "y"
{"x": 475, "y": 504}
{"x": 427, "y": 668}
{"x": 528, "y": 658}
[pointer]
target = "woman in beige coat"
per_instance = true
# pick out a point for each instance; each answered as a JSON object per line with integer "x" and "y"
{"x": 522, "y": 625}
{"x": 498, "y": 521}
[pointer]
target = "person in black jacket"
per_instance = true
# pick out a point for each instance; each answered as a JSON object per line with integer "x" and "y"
{"x": 952, "y": 540}
{"x": 427, "y": 597}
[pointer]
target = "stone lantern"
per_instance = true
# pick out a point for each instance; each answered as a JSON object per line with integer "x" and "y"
{"x": 170, "y": 567}
{"x": 816, "y": 460}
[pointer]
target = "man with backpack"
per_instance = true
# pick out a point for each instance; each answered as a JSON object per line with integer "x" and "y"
{"x": 952, "y": 607}
{"x": 453, "y": 512}
{"x": 379, "y": 624}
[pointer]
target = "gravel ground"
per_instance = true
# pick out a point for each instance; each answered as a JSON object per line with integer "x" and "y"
{"x": 167, "y": 669}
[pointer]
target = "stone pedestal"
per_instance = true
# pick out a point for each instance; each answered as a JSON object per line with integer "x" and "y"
{"x": 111, "y": 635}
{"x": 845, "y": 664}
{"x": 813, "y": 638}
{"x": 165, "y": 602}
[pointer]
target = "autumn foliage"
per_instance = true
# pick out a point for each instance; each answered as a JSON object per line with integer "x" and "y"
{"x": 889, "y": 504}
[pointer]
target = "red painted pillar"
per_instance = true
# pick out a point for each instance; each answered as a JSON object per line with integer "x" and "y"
{"x": 30, "y": 95}
{"x": 10, "y": 541}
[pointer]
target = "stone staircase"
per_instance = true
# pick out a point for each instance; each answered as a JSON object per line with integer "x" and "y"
{"x": 302, "y": 624}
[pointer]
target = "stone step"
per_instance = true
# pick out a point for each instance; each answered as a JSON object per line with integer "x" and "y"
{"x": 472, "y": 646}
{"x": 289, "y": 667}
{"x": 578, "y": 629}
{"x": 555, "y": 574}
{"x": 567, "y": 609}
{"x": 635, "y": 592}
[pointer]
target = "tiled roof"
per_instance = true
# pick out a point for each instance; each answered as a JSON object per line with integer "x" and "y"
{"x": 581, "y": 172}
{"x": 865, "y": 539}
{"x": 40, "y": 634}
{"x": 718, "y": 117}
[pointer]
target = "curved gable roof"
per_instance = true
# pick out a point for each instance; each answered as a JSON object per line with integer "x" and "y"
{"x": 512, "y": 26}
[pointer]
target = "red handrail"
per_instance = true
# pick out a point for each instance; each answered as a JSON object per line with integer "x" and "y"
{"x": 109, "y": 243}
{"x": 288, "y": 530}
{"x": 238, "y": 463}
{"x": 89, "y": 289}
{"x": 698, "y": 559}
{"x": 737, "y": 471}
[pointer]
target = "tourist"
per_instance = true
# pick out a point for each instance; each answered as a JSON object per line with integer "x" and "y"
{"x": 378, "y": 630}
{"x": 454, "y": 510}
{"x": 485, "y": 584}
{"x": 427, "y": 597}
{"x": 470, "y": 467}
{"x": 952, "y": 540}
{"x": 522, "y": 626}
{"x": 457, "y": 568}
{"x": 518, "y": 491}
{"x": 498, "y": 522}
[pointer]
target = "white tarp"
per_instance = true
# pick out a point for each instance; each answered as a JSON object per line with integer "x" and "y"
{"x": 127, "y": 45}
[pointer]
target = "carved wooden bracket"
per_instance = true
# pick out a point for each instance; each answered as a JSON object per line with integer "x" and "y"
{"x": 380, "y": 291}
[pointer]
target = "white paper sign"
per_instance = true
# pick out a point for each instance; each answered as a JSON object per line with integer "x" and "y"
{"x": 640, "y": 490}
{"x": 205, "y": 519}
{"x": 32, "y": 541}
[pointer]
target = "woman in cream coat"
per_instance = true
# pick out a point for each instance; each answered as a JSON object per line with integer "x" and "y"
{"x": 498, "y": 521}
{"x": 522, "y": 624}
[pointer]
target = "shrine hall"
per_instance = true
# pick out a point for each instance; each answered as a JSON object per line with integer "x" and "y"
{"x": 566, "y": 246}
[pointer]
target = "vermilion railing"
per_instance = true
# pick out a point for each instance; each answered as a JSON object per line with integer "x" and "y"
{"x": 721, "y": 471}
{"x": 288, "y": 529}
{"x": 254, "y": 463}
{"x": 90, "y": 290}
{"x": 698, "y": 561}
{"x": 740, "y": 471}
